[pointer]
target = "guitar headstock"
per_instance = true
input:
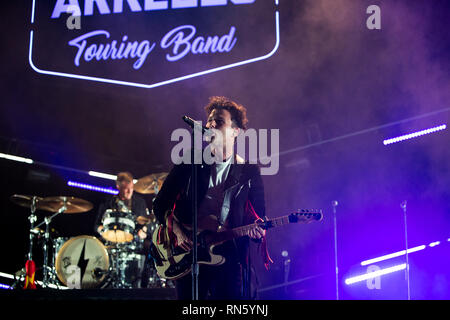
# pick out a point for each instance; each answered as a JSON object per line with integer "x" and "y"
{"x": 306, "y": 215}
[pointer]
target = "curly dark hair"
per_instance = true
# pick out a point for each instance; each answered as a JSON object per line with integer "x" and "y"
{"x": 237, "y": 111}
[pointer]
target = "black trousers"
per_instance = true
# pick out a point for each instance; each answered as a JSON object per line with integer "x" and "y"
{"x": 223, "y": 282}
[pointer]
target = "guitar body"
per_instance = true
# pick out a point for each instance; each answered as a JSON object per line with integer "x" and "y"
{"x": 173, "y": 262}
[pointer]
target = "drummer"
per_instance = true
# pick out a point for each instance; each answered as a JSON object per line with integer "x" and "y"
{"x": 125, "y": 200}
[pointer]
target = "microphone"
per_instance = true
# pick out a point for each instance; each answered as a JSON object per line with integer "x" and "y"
{"x": 196, "y": 125}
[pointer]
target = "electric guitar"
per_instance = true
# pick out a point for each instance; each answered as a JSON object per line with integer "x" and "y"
{"x": 173, "y": 262}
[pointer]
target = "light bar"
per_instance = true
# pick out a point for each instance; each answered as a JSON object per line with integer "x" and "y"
{"x": 91, "y": 187}
{"x": 392, "y": 255}
{"x": 414, "y": 134}
{"x": 5, "y": 286}
{"x": 105, "y": 176}
{"x": 102, "y": 175}
{"x": 433, "y": 244}
{"x": 15, "y": 158}
{"x": 375, "y": 274}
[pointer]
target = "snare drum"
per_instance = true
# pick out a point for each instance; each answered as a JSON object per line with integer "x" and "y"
{"x": 118, "y": 226}
{"x": 89, "y": 255}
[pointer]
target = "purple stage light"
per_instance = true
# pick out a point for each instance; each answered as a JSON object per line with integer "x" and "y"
{"x": 5, "y": 286}
{"x": 92, "y": 188}
{"x": 392, "y": 255}
{"x": 414, "y": 134}
{"x": 375, "y": 274}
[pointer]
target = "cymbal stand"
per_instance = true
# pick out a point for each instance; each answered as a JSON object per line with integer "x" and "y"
{"x": 32, "y": 218}
{"x": 47, "y": 269}
{"x": 156, "y": 187}
{"x": 29, "y": 264}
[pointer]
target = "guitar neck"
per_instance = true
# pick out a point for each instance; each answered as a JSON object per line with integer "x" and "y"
{"x": 243, "y": 230}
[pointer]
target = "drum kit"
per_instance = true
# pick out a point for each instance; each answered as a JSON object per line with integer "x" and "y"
{"x": 116, "y": 260}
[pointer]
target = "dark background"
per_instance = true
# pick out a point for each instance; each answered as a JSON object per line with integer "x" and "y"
{"x": 334, "y": 89}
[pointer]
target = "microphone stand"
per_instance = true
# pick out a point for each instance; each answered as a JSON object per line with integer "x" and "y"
{"x": 335, "y": 204}
{"x": 196, "y": 127}
{"x": 403, "y": 206}
{"x": 194, "y": 208}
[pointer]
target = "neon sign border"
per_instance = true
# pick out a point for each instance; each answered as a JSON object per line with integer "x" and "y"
{"x": 158, "y": 84}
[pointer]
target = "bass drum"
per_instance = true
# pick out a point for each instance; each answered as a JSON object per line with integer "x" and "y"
{"x": 82, "y": 262}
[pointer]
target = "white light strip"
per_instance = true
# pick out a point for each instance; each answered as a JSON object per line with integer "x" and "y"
{"x": 414, "y": 134}
{"x": 15, "y": 158}
{"x": 433, "y": 244}
{"x": 32, "y": 12}
{"x": 375, "y": 274}
{"x": 6, "y": 275}
{"x": 91, "y": 173}
{"x": 149, "y": 86}
{"x": 392, "y": 255}
{"x": 102, "y": 175}
{"x": 105, "y": 176}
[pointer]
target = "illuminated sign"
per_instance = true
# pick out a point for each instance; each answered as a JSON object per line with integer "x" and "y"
{"x": 150, "y": 43}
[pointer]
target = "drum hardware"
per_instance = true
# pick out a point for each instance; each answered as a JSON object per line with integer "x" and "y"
{"x": 58, "y": 205}
{"x": 117, "y": 264}
{"x": 150, "y": 184}
{"x": 32, "y": 202}
{"x": 142, "y": 220}
{"x": 83, "y": 259}
{"x": 47, "y": 271}
{"x": 118, "y": 226}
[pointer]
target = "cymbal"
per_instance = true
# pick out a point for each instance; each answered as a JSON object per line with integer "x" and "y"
{"x": 147, "y": 184}
{"x": 26, "y": 200}
{"x": 142, "y": 220}
{"x": 73, "y": 205}
{"x": 53, "y": 204}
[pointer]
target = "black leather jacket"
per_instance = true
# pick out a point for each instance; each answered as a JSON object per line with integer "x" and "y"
{"x": 244, "y": 184}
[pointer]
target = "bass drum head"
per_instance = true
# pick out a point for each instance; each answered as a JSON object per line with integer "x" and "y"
{"x": 89, "y": 255}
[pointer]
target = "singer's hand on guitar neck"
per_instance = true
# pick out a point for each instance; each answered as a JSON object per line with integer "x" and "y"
{"x": 257, "y": 232}
{"x": 183, "y": 240}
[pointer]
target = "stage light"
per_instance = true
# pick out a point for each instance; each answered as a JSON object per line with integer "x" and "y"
{"x": 414, "y": 134}
{"x": 392, "y": 255}
{"x": 92, "y": 188}
{"x": 105, "y": 176}
{"x": 433, "y": 244}
{"x": 5, "y": 286}
{"x": 32, "y": 11}
{"x": 15, "y": 158}
{"x": 375, "y": 274}
{"x": 102, "y": 175}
